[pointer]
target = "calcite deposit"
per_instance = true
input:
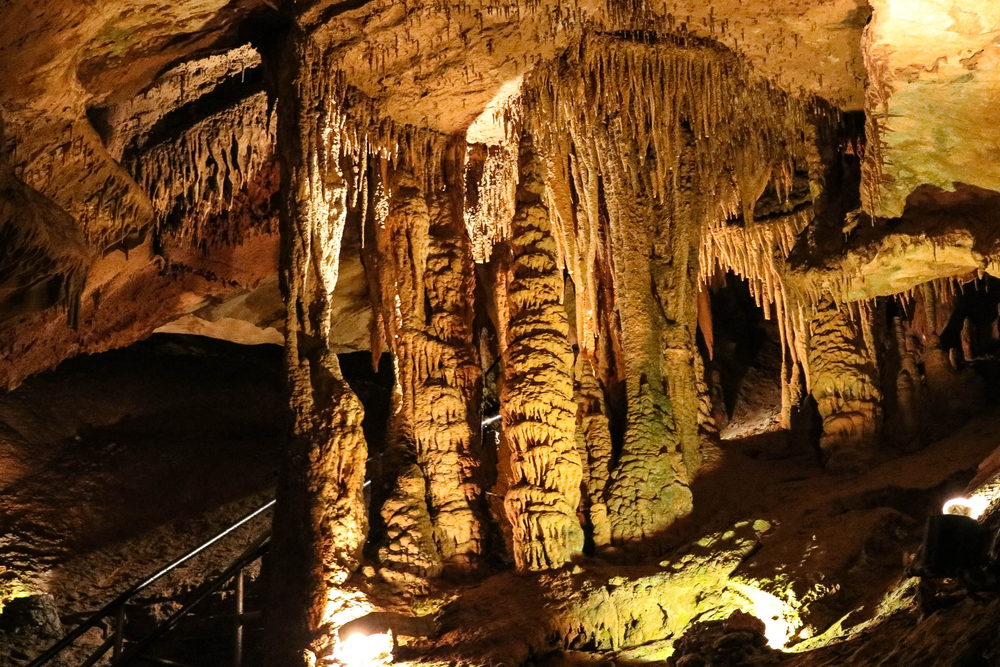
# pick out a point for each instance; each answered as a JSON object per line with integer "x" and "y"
{"x": 642, "y": 277}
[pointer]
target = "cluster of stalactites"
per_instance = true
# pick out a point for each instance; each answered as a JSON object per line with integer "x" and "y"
{"x": 198, "y": 173}
{"x": 641, "y": 97}
{"x": 757, "y": 252}
{"x": 491, "y": 178}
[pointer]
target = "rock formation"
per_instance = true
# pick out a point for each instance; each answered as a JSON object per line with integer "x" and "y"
{"x": 536, "y": 398}
{"x": 596, "y": 230}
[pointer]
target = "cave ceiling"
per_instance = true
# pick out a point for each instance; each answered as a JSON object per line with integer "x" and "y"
{"x": 91, "y": 92}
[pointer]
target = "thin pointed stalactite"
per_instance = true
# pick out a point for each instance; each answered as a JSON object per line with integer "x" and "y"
{"x": 320, "y": 522}
{"x": 424, "y": 272}
{"x": 846, "y": 387}
{"x": 536, "y": 399}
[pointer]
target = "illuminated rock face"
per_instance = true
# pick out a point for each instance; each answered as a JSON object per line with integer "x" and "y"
{"x": 932, "y": 119}
{"x": 536, "y": 399}
{"x": 423, "y": 268}
{"x": 844, "y": 376}
{"x": 320, "y": 522}
{"x": 636, "y": 151}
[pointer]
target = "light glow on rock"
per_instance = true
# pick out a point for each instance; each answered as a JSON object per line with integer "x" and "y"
{"x": 361, "y": 650}
{"x": 971, "y": 507}
{"x": 781, "y": 620}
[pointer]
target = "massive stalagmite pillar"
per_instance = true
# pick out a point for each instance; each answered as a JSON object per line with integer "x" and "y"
{"x": 536, "y": 400}
{"x": 320, "y": 520}
{"x": 844, "y": 380}
{"x": 648, "y": 488}
{"x": 425, "y": 274}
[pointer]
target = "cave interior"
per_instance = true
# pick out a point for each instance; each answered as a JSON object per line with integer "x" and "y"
{"x": 496, "y": 333}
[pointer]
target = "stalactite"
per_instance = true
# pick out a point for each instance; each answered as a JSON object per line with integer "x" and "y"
{"x": 491, "y": 189}
{"x": 539, "y": 415}
{"x": 197, "y": 173}
{"x": 756, "y": 252}
{"x": 320, "y": 521}
{"x": 593, "y": 436}
{"x": 845, "y": 386}
{"x": 424, "y": 269}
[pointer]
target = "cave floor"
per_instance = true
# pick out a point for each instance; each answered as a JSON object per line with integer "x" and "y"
{"x": 114, "y": 464}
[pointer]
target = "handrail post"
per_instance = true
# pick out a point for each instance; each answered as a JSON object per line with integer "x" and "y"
{"x": 238, "y": 634}
{"x": 119, "y": 633}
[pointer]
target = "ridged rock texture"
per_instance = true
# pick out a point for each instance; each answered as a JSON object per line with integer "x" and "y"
{"x": 422, "y": 266}
{"x": 845, "y": 384}
{"x": 643, "y": 152}
{"x": 536, "y": 399}
{"x": 593, "y": 437}
{"x": 320, "y": 521}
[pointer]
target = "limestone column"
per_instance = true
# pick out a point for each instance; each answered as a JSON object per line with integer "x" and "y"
{"x": 425, "y": 274}
{"x": 320, "y": 520}
{"x": 536, "y": 399}
{"x": 648, "y": 489}
{"x": 844, "y": 379}
{"x": 594, "y": 444}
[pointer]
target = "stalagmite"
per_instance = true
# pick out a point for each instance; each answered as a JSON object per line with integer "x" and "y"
{"x": 593, "y": 436}
{"x": 411, "y": 553}
{"x": 320, "y": 522}
{"x": 423, "y": 267}
{"x": 708, "y": 430}
{"x": 536, "y": 401}
{"x": 844, "y": 378}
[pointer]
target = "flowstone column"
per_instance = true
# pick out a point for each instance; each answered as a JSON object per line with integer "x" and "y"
{"x": 536, "y": 401}
{"x": 648, "y": 489}
{"x": 844, "y": 379}
{"x": 320, "y": 521}
{"x": 425, "y": 274}
{"x": 593, "y": 437}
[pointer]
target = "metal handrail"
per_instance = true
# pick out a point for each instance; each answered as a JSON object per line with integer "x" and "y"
{"x": 254, "y": 552}
{"x": 123, "y": 599}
